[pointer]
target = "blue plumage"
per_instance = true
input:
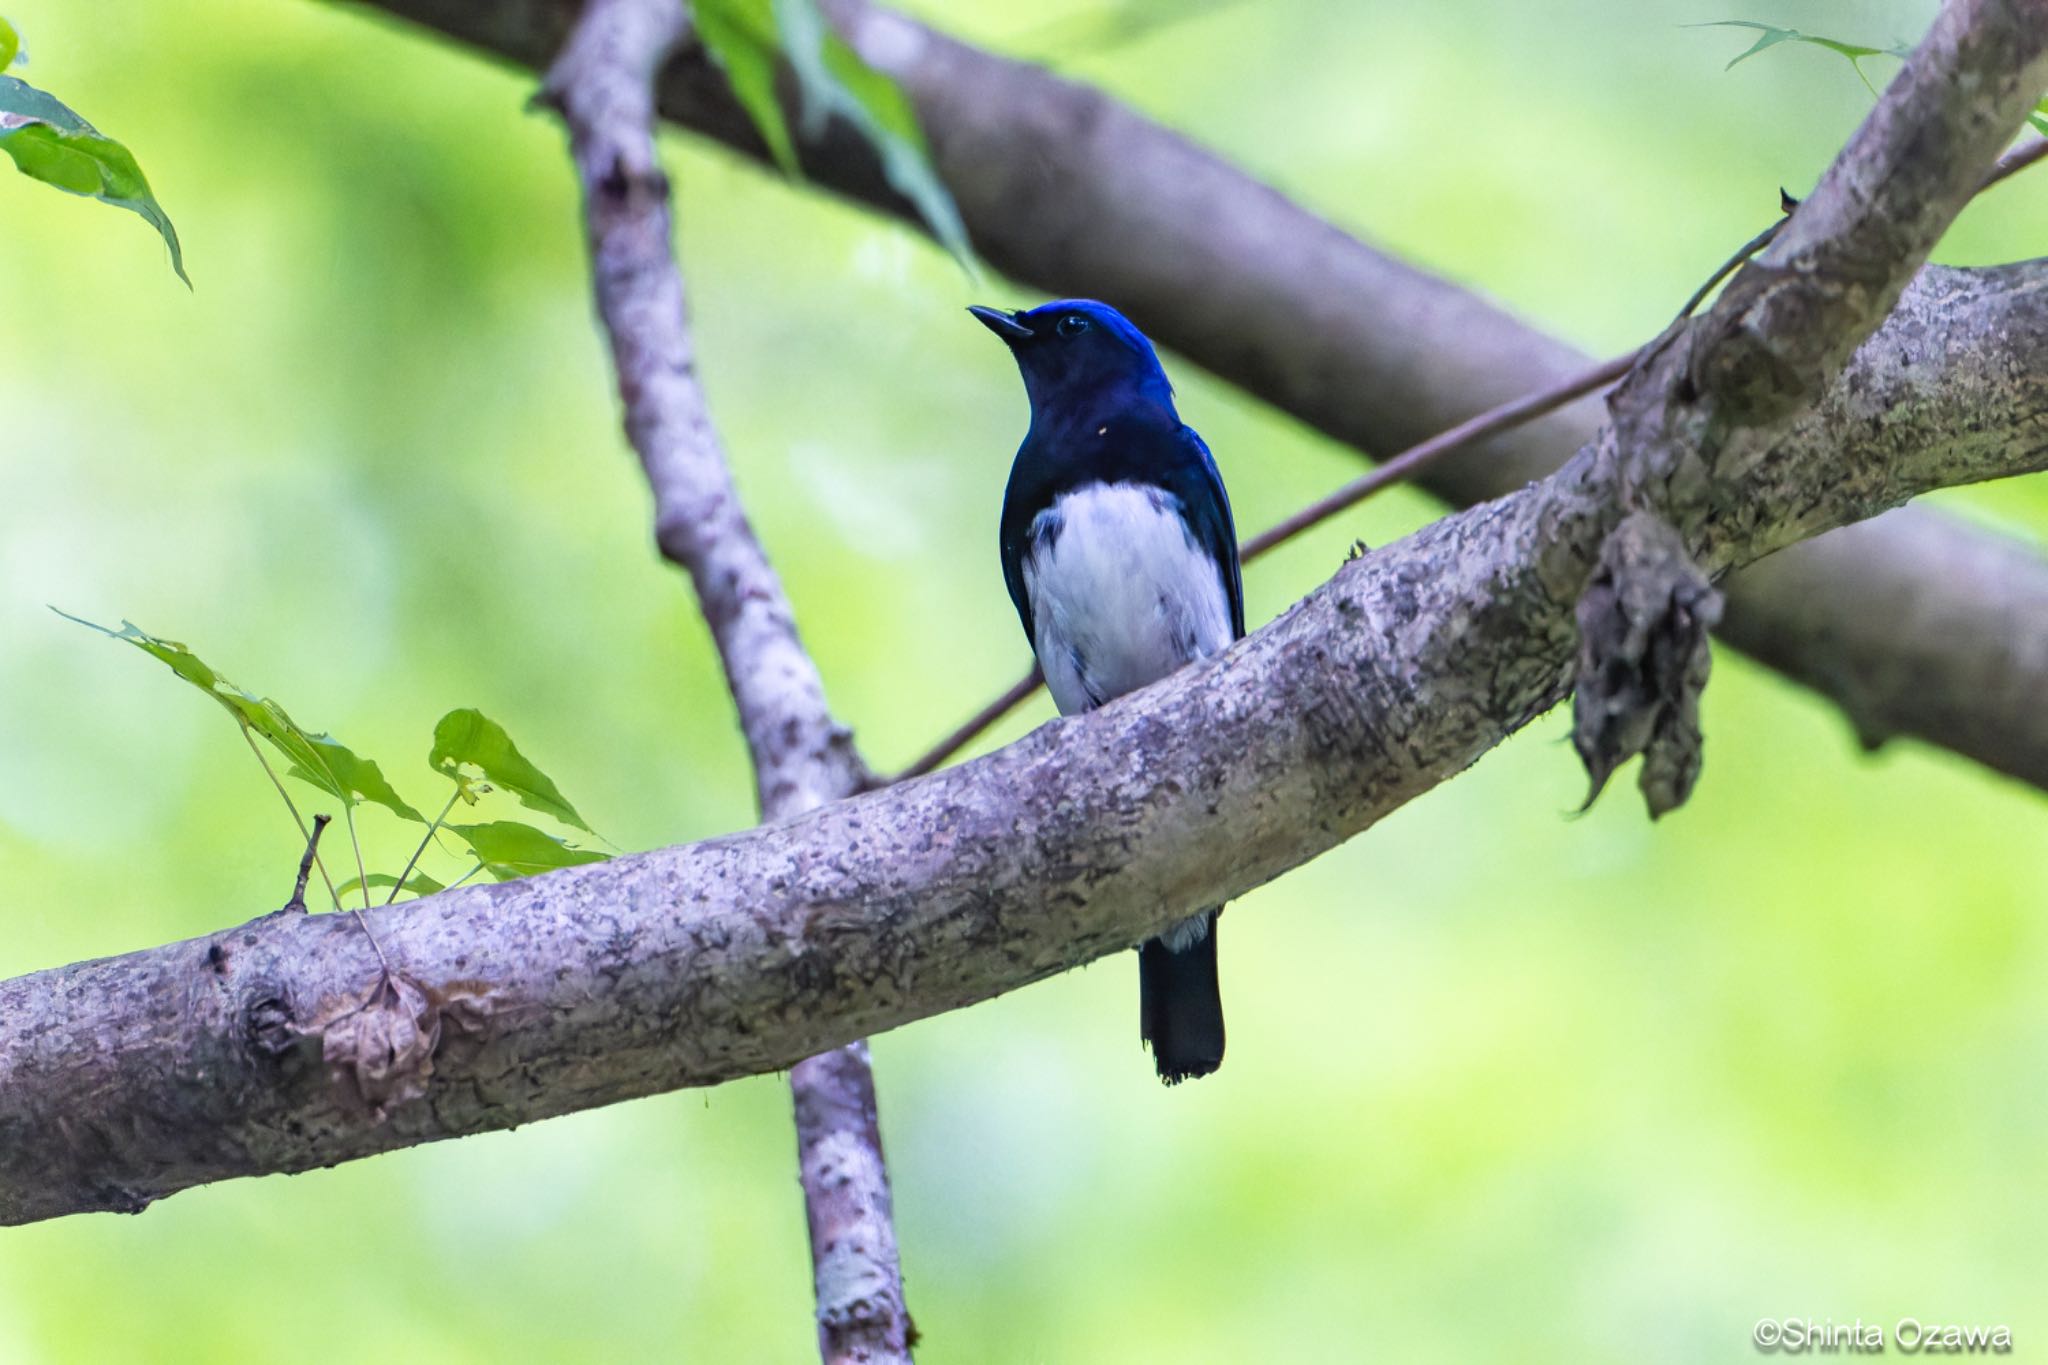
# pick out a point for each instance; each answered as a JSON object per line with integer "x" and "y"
{"x": 1121, "y": 558}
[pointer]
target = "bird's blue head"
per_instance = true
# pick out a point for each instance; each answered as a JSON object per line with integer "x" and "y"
{"x": 1079, "y": 356}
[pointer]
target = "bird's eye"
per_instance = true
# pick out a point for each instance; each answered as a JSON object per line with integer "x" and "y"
{"x": 1072, "y": 325}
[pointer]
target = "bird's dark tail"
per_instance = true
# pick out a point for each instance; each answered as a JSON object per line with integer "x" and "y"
{"x": 1181, "y": 1006}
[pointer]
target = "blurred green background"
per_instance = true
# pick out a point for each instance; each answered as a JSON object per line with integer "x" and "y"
{"x": 1502, "y": 1084}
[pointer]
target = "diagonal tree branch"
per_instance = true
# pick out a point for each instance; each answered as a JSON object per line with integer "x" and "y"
{"x": 603, "y": 84}
{"x": 129, "y": 1078}
{"x": 1067, "y": 190}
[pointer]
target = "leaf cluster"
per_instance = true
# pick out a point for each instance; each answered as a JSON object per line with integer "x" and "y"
{"x": 470, "y": 750}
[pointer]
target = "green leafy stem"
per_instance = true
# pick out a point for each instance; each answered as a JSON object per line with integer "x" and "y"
{"x": 472, "y": 751}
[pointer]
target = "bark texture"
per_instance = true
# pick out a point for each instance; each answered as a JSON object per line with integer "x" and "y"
{"x": 128, "y": 1078}
{"x": 603, "y": 84}
{"x": 1069, "y": 191}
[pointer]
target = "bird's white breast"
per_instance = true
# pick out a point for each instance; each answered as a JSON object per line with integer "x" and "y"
{"x": 1120, "y": 594}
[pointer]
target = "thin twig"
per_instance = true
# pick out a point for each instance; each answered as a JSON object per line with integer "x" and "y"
{"x": 981, "y": 720}
{"x": 465, "y": 876}
{"x": 2015, "y": 161}
{"x": 383, "y": 962}
{"x": 1453, "y": 348}
{"x": 293, "y": 807}
{"x": 428, "y": 838}
{"x": 348, "y": 819}
{"x": 2009, "y": 165}
{"x": 1420, "y": 456}
{"x": 298, "y": 901}
{"x": 1731, "y": 265}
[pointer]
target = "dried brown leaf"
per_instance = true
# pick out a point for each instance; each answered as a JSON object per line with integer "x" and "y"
{"x": 1643, "y": 661}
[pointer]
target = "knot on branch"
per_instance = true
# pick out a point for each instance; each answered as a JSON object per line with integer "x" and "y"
{"x": 861, "y": 1314}
{"x": 627, "y": 185}
{"x": 1643, "y": 661}
{"x": 267, "y": 1027}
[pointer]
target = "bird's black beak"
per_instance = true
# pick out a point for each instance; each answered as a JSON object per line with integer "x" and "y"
{"x": 1004, "y": 325}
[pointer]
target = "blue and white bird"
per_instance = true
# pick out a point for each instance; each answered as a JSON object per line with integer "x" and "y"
{"x": 1120, "y": 554}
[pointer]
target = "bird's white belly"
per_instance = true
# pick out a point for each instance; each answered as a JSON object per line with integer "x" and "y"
{"x": 1120, "y": 594}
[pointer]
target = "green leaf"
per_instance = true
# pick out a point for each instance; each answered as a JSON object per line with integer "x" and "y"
{"x": 740, "y": 36}
{"x": 1770, "y": 35}
{"x": 345, "y": 774}
{"x": 467, "y": 738}
{"x": 266, "y": 718}
{"x": 271, "y": 721}
{"x": 833, "y": 80}
{"x": 182, "y": 661}
{"x": 10, "y": 45}
{"x": 420, "y": 884}
{"x": 748, "y": 38}
{"x": 51, "y": 143}
{"x": 1771, "y": 38}
{"x": 320, "y": 760}
{"x": 510, "y": 850}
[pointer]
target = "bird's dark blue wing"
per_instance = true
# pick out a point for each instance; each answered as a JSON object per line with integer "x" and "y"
{"x": 1199, "y": 486}
{"x": 1029, "y": 494}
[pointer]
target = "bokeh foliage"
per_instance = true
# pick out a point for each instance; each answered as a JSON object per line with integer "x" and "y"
{"x": 1502, "y": 1085}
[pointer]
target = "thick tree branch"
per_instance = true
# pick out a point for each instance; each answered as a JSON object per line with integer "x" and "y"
{"x": 603, "y": 84}
{"x": 1069, "y": 191}
{"x": 126, "y": 1079}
